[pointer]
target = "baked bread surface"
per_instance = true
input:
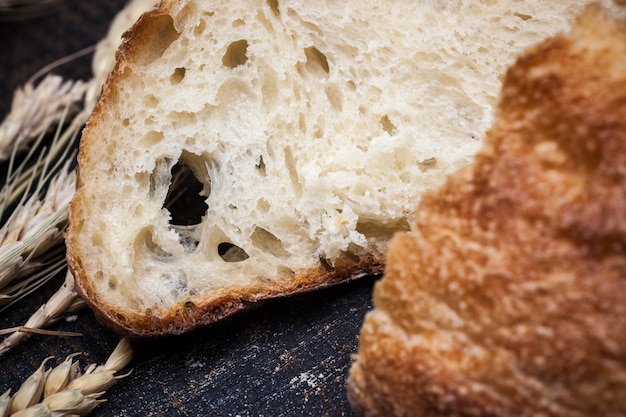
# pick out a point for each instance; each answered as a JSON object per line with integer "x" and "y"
{"x": 311, "y": 128}
{"x": 507, "y": 297}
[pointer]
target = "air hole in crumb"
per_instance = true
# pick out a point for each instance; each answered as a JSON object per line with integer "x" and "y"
{"x": 159, "y": 33}
{"x": 274, "y": 6}
{"x": 326, "y": 265}
{"x": 292, "y": 167}
{"x": 268, "y": 242}
{"x": 316, "y": 62}
{"x": 302, "y": 123}
{"x": 178, "y": 76}
{"x": 113, "y": 283}
{"x": 335, "y": 97}
{"x": 231, "y": 253}
{"x": 150, "y": 101}
{"x": 190, "y": 308}
{"x": 387, "y": 125}
{"x": 199, "y": 30}
{"x": 427, "y": 164}
{"x": 184, "y": 201}
{"x": 238, "y": 22}
{"x": 236, "y": 54}
{"x": 146, "y": 240}
{"x": 285, "y": 271}
{"x": 263, "y": 205}
{"x": 260, "y": 166}
{"x": 523, "y": 16}
{"x": 96, "y": 239}
{"x": 139, "y": 210}
{"x": 152, "y": 138}
{"x": 381, "y": 231}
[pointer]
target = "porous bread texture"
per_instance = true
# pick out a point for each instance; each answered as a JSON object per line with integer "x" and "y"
{"x": 507, "y": 297}
{"x": 104, "y": 54}
{"x": 312, "y": 127}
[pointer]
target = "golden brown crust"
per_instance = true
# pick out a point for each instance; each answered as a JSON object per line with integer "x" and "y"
{"x": 507, "y": 299}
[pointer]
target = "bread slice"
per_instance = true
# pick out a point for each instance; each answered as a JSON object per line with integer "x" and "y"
{"x": 309, "y": 131}
{"x": 507, "y": 297}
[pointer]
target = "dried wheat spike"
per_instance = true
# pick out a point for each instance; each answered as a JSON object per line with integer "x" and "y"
{"x": 30, "y": 391}
{"x": 36, "y": 109}
{"x": 63, "y": 390}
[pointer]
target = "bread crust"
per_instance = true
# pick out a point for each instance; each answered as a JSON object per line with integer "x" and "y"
{"x": 507, "y": 298}
{"x": 186, "y": 315}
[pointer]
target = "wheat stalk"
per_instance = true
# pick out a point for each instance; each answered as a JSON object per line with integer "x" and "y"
{"x": 63, "y": 390}
{"x": 64, "y": 300}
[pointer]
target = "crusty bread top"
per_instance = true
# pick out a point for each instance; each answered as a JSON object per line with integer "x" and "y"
{"x": 312, "y": 129}
{"x": 507, "y": 298}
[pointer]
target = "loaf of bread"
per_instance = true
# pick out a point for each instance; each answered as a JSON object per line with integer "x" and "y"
{"x": 507, "y": 298}
{"x": 251, "y": 149}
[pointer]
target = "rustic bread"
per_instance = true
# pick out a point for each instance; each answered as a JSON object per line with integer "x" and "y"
{"x": 311, "y": 128}
{"x": 507, "y": 297}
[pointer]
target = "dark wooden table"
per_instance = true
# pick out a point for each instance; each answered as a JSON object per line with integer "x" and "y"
{"x": 286, "y": 357}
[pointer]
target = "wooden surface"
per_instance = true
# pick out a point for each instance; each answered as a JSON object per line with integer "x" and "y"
{"x": 287, "y": 357}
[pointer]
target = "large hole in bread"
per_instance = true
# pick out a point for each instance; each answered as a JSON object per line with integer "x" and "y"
{"x": 185, "y": 200}
{"x": 381, "y": 231}
{"x": 178, "y": 75}
{"x": 388, "y": 125}
{"x": 145, "y": 244}
{"x": 268, "y": 242}
{"x": 316, "y": 61}
{"x": 231, "y": 253}
{"x": 159, "y": 33}
{"x": 236, "y": 54}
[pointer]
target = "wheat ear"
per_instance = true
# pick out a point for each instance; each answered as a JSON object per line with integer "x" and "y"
{"x": 37, "y": 108}
{"x": 29, "y": 238}
{"x": 35, "y": 232}
{"x": 63, "y": 390}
